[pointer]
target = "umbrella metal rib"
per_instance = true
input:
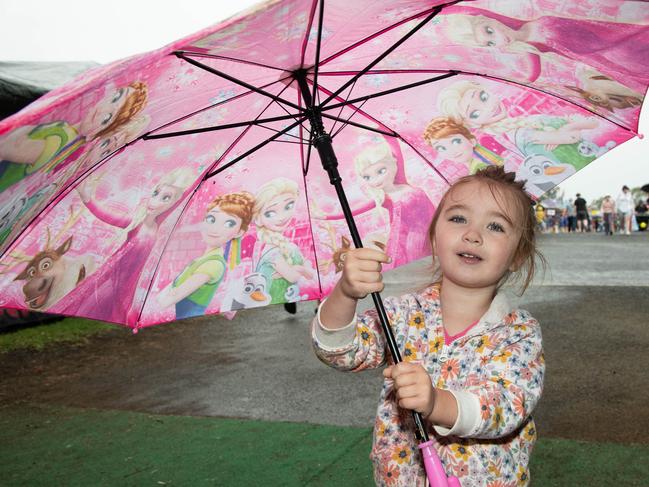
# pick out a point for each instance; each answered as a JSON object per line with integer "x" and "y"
{"x": 322, "y": 142}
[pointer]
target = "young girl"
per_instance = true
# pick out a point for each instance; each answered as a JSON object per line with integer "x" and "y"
{"x": 473, "y": 364}
{"x": 226, "y": 220}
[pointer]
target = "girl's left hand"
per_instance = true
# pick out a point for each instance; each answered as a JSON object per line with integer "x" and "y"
{"x": 412, "y": 386}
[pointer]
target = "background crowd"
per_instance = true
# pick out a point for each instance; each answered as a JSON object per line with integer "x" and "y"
{"x": 624, "y": 213}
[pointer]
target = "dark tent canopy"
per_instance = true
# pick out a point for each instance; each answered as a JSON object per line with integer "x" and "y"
{"x": 23, "y": 82}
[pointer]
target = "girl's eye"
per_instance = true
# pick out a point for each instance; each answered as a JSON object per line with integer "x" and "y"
{"x": 496, "y": 227}
{"x": 210, "y": 219}
{"x": 366, "y": 178}
{"x": 381, "y": 171}
{"x": 491, "y": 43}
{"x": 484, "y": 96}
{"x": 489, "y": 30}
{"x": 457, "y": 219}
{"x": 456, "y": 141}
{"x": 474, "y": 114}
{"x": 166, "y": 198}
{"x": 440, "y": 148}
{"x": 289, "y": 205}
{"x": 230, "y": 223}
{"x": 269, "y": 214}
{"x": 107, "y": 118}
{"x": 105, "y": 143}
{"x": 156, "y": 192}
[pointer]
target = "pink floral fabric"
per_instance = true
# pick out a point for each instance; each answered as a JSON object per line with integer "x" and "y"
{"x": 500, "y": 360}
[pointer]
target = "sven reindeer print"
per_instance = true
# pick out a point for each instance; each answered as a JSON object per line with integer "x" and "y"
{"x": 50, "y": 275}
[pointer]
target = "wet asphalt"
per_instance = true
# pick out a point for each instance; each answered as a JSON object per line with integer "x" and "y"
{"x": 593, "y": 304}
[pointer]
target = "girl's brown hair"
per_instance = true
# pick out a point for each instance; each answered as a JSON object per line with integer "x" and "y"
{"x": 239, "y": 204}
{"x": 505, "y": 189}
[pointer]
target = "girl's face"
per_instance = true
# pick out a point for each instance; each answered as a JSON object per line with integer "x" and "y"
{"x": 455, "y": 148}
{"x": 478, "y": 107}
{"x": 491, "y": 33}
{"x": 219, "y": 227}
{"x": 475, "y": 241}
{"x": 163, "y": 197}
{"x": 278, "y": 212}
{"x": 104, "y": 112}
{"x": 380, "y": 174}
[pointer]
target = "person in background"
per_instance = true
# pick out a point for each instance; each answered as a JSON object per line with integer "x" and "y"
{"x": 563, "y": 222}
{"x": 539, "y": 211}
{"x": 625, "y": 206}
{"x": 581, "y": 209}
{"x": 572, "y": 217}
{"x": 608, "y": 214}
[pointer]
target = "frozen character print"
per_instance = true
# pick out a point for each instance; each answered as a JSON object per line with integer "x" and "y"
{"x": 226, "y": 220}
{"x": 276, "y": 257}
{"x": 454, "y": 142}
{"x": 110, "y": 293}
{"x": 46, "y": 146}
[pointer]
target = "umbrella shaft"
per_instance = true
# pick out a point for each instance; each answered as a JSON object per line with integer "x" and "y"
{"x": 322, "y": 142}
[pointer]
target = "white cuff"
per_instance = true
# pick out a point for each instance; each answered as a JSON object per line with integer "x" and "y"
{"x": 468, "y": 415}
{"x": 331, "y": 340}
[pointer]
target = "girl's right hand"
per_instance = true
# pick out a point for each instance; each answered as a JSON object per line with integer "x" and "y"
{"x": 361, "y": 273}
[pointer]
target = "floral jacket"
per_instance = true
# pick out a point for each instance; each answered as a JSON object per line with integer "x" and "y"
{"x": 495, "y": 372}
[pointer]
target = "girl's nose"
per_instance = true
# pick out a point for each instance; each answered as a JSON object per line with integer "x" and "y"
{"x": 472, "y": 237}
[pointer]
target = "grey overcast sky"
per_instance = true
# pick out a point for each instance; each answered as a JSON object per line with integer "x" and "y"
{"x": 82, "y": 30}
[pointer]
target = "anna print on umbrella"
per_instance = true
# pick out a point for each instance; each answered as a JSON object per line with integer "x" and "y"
{"x": 46, "y": 146}
{"x": 110, "y": 293}
{"x": 277, "y": 258}
{"x": 226, "y": 220}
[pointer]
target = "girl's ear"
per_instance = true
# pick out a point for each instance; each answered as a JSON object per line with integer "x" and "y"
{"x": 517, "y": 262}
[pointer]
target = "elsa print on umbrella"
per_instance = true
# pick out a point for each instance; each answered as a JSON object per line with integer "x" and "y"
{"x": 606, "y": 46}
{"x": 561, "y": 141}
{"x": 480, "y": 107}
{"x": 277, "y": 258}
{"x": 44, "y": 147}
{"x": 226, "y": 219}
{"x": 110, "y": 293}
{"x": 383, "y": 177}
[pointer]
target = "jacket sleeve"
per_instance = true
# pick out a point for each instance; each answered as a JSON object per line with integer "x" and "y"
{"x": 510, "y": 382}
{"x": 361, "y": 344}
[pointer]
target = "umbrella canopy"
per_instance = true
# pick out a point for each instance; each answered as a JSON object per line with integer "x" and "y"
{"x": 183, "y": 181}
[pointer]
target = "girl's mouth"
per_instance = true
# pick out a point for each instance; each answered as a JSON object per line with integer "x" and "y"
{"x": 469, "y": 258}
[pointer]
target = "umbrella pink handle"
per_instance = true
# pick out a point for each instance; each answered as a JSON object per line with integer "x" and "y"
{"x": 434, "y": 469}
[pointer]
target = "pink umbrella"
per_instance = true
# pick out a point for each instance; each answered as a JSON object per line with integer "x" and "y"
{"x": 179, "y": 182}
